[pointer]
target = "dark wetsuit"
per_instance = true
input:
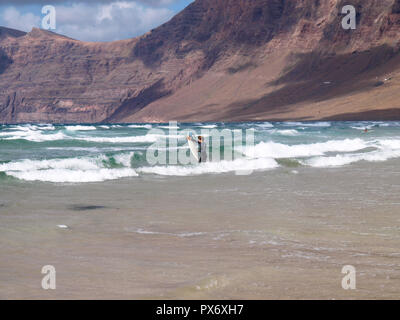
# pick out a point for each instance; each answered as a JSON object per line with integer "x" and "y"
{"x": 202, "y": 151}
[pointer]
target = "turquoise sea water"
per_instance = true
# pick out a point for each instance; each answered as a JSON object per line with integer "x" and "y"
{"x": 95, "y": 153}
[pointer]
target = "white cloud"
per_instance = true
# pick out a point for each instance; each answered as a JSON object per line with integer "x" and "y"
{"x": 44, "y": 2}
{"x": 101, "y": 22}
{"x": 12, "y": 18}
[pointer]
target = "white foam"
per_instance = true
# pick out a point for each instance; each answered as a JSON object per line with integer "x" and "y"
{"x": 169, "y": 127}
{"x": 190, "y": 234}
{"x": 239, "y": 165}
{"x": 265, "y": 125}
{"x": 209, "y": 126}
{"x": 389, "y": 143}
{"x": 49, "y": 127}
{"x": 341, "y": 160}
{"x": 86, "y": 149}
{"x": 389, "y": 149}
{"x": 308, "y": 124}
{"x": 80, "y": 128}
{"x": 362, "y": 128}
{"x": 70, "y": 164}
{"x": 279, "y": 150}
{"x": 181, "y": 235}
{"x": 9, "y": 133}
{"x": 73, "y": 176}
{"x": 93, "y": 149}
{"x": 67, "y": 170}
{"x": 139, "y": 126}
{"x": 124, "y": 159}
{"x": 289, "y": 132}
{"x": 134, "y": 139}
{"x": 389, "y": 124}
{"x": 32, "y": 135}
{"x": 25, "y": 127}
{"x": 141, "y": 231}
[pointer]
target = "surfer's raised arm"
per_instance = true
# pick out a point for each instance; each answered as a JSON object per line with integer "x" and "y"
{"x": 189, "y": 138}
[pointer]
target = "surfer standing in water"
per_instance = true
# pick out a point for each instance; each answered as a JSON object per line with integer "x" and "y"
{"x": 201, "y": 149}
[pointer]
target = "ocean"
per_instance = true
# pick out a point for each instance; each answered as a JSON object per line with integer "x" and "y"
{"x": 123, "y": 211}
{"x": 95, "y": 153}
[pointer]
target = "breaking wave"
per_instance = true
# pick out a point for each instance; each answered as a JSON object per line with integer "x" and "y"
{"x": 288, "y": 132}
{"x": 80, "y": 128}
{"x": 308, "y": 124}
{"x": 239, "y": 166}
{"x": 67, "y": 155}
{"x": 140, "y": 126}
{"x": 208, "y": 126}
{"x": 32, "y": 135}
{"x": 133, "y": 139}
{"x": 74, "y": 176}
{"x": 279, "y": 150}
{"x": 71, "y": 170}
{"x": 387, "y": 149}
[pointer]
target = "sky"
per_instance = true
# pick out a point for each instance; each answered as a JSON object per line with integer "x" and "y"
{"x": 92, "y": 20}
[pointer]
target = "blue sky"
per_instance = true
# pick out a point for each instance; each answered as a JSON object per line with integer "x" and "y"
{"x": 92, "y": 20}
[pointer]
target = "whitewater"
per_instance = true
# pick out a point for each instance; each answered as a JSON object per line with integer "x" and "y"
{"x": 100, "y": 152}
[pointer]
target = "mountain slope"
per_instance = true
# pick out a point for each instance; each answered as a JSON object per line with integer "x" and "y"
{"x": 216, "y": 60}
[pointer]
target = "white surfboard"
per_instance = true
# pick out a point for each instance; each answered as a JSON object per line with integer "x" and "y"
{"x": 194, "y": 149}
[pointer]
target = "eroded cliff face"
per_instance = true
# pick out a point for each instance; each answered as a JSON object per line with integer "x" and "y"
{"x": 216, "y": 60}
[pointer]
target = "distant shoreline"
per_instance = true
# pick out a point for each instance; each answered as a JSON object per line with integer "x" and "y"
{"x": 372, "y": 115}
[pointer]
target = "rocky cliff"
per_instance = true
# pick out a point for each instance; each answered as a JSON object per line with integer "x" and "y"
{"x": 216, "y": 60}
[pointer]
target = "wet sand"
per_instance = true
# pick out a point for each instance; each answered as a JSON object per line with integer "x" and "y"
{"x": 272, "y": 235}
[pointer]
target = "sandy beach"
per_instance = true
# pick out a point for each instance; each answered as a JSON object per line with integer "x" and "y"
{"x": 271, "y": 235}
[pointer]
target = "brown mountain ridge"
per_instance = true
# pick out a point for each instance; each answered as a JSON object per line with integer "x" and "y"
{"x": 217, "y": 60}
